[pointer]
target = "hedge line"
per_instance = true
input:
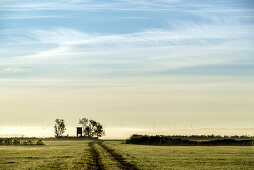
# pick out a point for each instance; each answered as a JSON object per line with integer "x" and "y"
{"x": 175, "y": 141}
{"x": 17, "y": 141}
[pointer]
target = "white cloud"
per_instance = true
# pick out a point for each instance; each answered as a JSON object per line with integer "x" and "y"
{"x": 137, "y": 53}
{"x": 89, "y": 5}
{"x": 13, "y": 70}
{"x": 179, "y": 36}
{"x": 183, "y": 44}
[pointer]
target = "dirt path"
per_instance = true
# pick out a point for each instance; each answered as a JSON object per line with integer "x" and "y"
{"x": 94, "y": 163}
{"x": 122, "y": 162}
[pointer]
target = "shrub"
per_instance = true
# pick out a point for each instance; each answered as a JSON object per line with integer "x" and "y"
{"x": 16, "y": 141}
{"x": 39, "y": 142}
{"x": 24, "y": 142}
{"x": 29, "y": 142}
{"x": 7, "y": 141}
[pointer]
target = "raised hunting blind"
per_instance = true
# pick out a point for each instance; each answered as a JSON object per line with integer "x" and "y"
{"x": 79, "y": 131}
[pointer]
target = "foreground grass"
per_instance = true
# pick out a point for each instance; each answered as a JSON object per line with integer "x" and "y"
{"x": 186, "y": 157}
{"x": 76, "y": 154}
{"x": 54, "y": 155}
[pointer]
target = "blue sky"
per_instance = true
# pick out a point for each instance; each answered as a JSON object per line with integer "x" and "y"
{"x": 199, "y": 48}
{"x": 110, "y": 38}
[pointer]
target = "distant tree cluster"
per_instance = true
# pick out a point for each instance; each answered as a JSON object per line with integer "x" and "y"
{"x": 91, "y": 128}
{"x": 210, "y": 137}
{"x": 178, "y": 141}
{"x": 18, "y": 141}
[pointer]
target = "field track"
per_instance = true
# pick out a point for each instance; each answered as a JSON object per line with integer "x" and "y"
{"x": 95, "y": 163}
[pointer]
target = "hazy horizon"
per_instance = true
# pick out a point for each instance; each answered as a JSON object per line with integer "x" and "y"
{"x": 125, "y": 132}
{"x": 149, "y": 65}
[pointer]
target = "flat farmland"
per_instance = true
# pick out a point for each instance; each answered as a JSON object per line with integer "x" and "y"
{"x": 89, "y": 154}
{"x": 186, "y": 157}
{"x": 53, "y": 155}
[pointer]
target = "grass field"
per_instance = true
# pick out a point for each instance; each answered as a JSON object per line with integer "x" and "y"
{"x": 88, "y": 154}
{"x": 186, "y": 157}
{"x": 53, "y": 155}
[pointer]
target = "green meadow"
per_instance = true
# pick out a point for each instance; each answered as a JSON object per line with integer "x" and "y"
{"x": 89, "y": 154}
{"x": 53, "y": 155}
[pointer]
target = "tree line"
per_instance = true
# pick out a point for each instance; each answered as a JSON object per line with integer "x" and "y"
{"x": 90, "y": 128}
{"x": 19, "y": 141}
{"x": 179, "y": 141}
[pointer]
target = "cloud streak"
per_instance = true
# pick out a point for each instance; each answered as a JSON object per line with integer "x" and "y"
{"x": 180, "y": 43}
{"x": 126, "y": 5}
{"x": 129, "y": 60}
{"x": 183, "y": 34}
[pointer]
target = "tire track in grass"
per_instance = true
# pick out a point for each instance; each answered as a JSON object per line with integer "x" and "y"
{"x": 106, "y": 159}
{"x": 95, "y": 162}
{"x": 119, "y": 158}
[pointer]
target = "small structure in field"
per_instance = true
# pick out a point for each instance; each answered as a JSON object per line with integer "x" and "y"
{"x": 79, "y": 131}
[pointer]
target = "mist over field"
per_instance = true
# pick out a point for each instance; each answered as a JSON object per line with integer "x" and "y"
{"x": 123, "y": 132}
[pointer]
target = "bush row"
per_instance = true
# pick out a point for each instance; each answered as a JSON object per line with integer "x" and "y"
{"x": 204, "y": 137}
{"x": 17, "y": 141}
{"x": 174, "y": 141}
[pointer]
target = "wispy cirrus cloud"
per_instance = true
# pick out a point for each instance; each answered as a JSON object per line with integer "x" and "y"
{"x": 201, "y": 36}
{"x": 177, "y": 58}
{"x": 138, "y": 53}
{"x": 168, "y": 5}
{"x": 183, "y": 34}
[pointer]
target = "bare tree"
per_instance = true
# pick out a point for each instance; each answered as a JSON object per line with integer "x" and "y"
{"x": 59, "y": 127}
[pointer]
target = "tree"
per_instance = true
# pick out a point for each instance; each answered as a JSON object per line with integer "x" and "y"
{"x": 91, "y": 128}
{"x": 88, "y": 131}
{"x": 84, "y": 122}
{"x": 99, "y": 130}
{"x": 59, "y": 127}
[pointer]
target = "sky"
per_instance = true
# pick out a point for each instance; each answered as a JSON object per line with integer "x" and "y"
{"x": 131, "y": 65}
